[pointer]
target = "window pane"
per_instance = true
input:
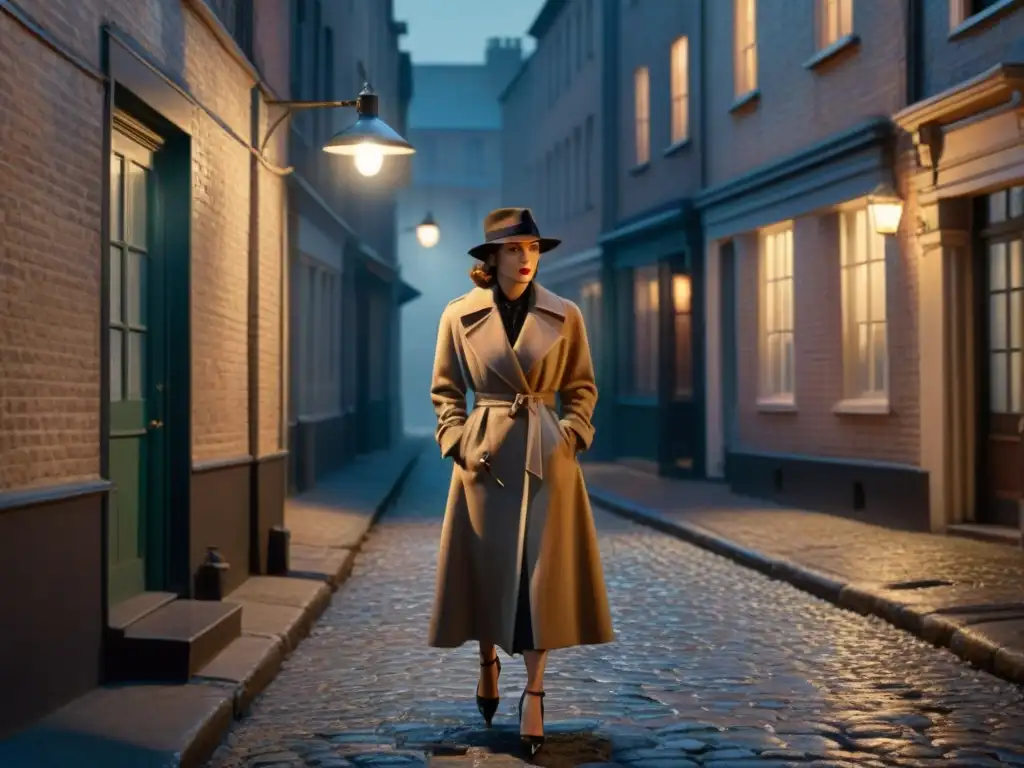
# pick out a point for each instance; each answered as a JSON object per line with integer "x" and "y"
{"x": 1016, "y": 202}
{"x": 681, "y": 293}
{"x": 997, "y": 321}
{"x": 997, "y": 207}
{"x": 877, "y": 280}
{"x": 786, "y": 291}
{"x": 769, "y": 308}
{"x": 136, "y": 288}
{"x": 774, "y": 363}
{"x": 879, "y": 357}
{"x": 1015, "y": 382}
{"x": 998, "y": 384}
{"x": 136, "y": 364}
{"x": 1015, "y": 320}
{"x": 116, "y": 365}
{"x": 863, "y": 343}
{"x": 115, "y": 285}
{"x": 137, "y": 205}
{"x": 788, "y": 264}
{"x": 997, "y": 266}
{"x": 860, "y": 293}
{"x": 116, "y": 197}
{"x": 684, "y": 353}
{"x": 1016, "y": 267}
{"x": 787, "y": 363}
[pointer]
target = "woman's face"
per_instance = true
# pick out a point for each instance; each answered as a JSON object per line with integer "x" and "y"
{"x": 517, "y": 261}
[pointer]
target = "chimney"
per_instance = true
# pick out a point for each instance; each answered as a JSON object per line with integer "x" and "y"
{"x": 503, "y": 60}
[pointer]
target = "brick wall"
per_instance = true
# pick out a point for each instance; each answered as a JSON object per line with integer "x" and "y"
{"x": 948, "y": 62}
{"x": 51, "y": 157}
{"x": 50, "y": 202}
{"x": 534, "y": 125}
{"x": 799, "y": 106}
{"x": 646, "y": 34}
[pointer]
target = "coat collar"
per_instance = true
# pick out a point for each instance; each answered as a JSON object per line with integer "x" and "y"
{"x": 485, "y": 333}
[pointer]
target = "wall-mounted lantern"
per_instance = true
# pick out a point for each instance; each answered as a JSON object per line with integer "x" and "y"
{"x": 885, "y": 207}
{"x": 368, "y": 140}
{"x": 427, "y": 231}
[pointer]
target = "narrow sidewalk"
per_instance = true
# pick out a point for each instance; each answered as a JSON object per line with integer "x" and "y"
{"x": 957, "y": 593}
{"x": 167, "y": 726}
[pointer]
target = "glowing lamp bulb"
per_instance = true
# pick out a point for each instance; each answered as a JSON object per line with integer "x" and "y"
{"x": 428, "y": 235}
{"x": 369, "y": 159}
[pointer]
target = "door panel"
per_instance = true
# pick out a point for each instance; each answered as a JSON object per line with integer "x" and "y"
{"x": 1003, "y": 364}
{"x": 135, "y": 415}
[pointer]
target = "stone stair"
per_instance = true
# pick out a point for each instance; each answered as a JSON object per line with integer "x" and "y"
{"x": 159, "y": 637}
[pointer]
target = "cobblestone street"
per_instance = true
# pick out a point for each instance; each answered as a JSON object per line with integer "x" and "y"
{"x": 715, "y": 665}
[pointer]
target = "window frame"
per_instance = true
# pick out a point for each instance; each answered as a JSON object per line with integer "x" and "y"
{"x": 680, "y": 90}
{"x": 837, "y": 13}
{"x": 645, "y": 331}
{"x": 874, "y": 261}
{"x": 745, "y": 44}
{"x": 771, "y": 397}
{"x": 641, "y": 116}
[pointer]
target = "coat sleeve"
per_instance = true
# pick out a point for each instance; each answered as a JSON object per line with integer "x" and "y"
{"x": 448, "y": 389}
{"x": 578, "y": 390}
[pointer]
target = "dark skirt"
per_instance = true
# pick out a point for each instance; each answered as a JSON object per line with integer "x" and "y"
{"x": 522, "y": 636}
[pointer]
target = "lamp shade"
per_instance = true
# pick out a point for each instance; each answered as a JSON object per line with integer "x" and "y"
{"x": 368, "y": 130}
{"x": 427, "y": 232}
{"x": 885, "y": 207}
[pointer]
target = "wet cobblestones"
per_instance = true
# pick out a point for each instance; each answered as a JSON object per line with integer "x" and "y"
{"x": 715, "y": 665}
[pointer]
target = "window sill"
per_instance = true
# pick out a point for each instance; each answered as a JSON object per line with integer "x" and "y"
{"x": 639, "y": 168}
{"x": 829, "y": 52}
{"x": 979, "y": 21}
{"x": 676, "y": 147}
{"x": 781, "y": 404}
{"x": 748, "y": 101}
{"x": 862, "y": 406}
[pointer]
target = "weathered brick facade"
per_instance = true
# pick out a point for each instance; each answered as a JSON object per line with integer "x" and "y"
{"x": 52, "y": 161}
{"x": 176, "y": 71}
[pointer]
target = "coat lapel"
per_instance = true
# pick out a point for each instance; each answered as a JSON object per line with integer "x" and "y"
{"x": 542, "y": 329}
{"x": 485, "y": 335}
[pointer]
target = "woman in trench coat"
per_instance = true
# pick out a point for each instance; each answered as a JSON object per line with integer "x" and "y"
{"x": 519, "y": 566}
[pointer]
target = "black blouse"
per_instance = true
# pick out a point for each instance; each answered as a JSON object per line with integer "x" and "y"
{"x": 513, "y": 311}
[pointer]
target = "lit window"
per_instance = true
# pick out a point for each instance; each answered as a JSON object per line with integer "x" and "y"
{"x": 862, "y": 252}
{"x": 746, "y": 46}
{"x": 680, "y": 90}
{"x": 777, "y": 360}
{"x": 682, "y": 305}
{"x": 642, "y": 110}
{"x": 835, "y": 21}
{"x": 642, "y": 377}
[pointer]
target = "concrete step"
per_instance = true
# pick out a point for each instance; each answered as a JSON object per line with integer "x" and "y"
{"x": 997, "y": 534}
{"x": 129, "y": 611}
{"x": 173, "y": 642}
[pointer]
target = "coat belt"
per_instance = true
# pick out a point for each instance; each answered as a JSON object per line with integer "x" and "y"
{"x": 532, "y": 402}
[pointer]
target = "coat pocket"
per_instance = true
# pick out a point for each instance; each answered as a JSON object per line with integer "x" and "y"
{"x": 473, "y": 441}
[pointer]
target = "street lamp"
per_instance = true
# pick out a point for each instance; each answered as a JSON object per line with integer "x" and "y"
{"x": 427, "y": 232}
{"x": 886, "y": 209}
{"x": 368, "y": 140}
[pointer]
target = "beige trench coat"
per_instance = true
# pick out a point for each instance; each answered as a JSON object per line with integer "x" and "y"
{"x": 533, "y": 453}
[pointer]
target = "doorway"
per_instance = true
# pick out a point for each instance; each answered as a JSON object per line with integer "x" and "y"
{"x": 1001, "y": 481}
{"x": 138, "y": 356}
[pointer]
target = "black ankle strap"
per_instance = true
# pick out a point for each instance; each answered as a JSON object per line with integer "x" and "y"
{"x": 538, "y": 694}
{"x": 495, "y": 660}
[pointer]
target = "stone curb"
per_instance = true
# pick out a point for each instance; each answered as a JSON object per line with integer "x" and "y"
{"x": 868, "y": 600}
{"x": 211, "y": 733}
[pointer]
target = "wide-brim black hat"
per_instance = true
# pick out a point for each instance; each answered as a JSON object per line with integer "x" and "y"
{"x": 506, "y": 225}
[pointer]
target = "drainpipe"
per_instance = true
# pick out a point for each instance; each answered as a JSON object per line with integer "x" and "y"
{"x": 702, "y": 99}
{"x": 912, "y": 27}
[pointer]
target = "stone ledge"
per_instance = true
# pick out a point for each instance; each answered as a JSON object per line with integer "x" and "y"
{"x": 989, "y": 637}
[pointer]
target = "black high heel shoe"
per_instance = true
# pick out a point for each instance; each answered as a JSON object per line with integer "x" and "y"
{"x": 531, "y": 743}
{"x": 486, "y": 706}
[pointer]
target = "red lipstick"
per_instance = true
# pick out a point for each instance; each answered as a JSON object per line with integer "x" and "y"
{"x": 524, "y": 271}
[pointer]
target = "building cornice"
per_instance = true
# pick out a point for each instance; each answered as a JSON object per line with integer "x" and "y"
{"x": 866, "y": 134}
{"x": 989, "y": 90}
{"x": 546, "y": 18}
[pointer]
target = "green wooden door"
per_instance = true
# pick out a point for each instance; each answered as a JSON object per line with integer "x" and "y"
{"x": 136, "y": 369}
